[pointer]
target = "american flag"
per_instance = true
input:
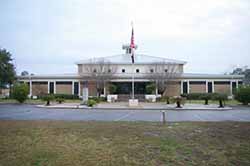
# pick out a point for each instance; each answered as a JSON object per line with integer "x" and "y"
{"x": 132, "y": 46}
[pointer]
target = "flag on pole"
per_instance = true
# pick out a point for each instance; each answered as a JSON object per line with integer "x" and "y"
{"x": 132, "y": 45}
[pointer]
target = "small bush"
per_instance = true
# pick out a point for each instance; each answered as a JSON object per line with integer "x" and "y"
{"x": 150, "y": 88}
{"x": 112, "y": 88}
{"x": 178, "y": 100}
{"x": 60, "y": 100}
{"x": 98, "y": 99}
{"x": 48, "y": 98}
{"x": 243, "y": 94}
{"x": 221, "y": 97}
{"x": 91, "y": 103}
{"x": 66, "y": 96}
{"x": 206, "y": 97}
{"x": 20, "y": 92}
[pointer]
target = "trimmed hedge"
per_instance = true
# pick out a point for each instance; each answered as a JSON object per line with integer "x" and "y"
{"x": 91, "y": 103}
{"x": 98, "y": 99}
{"x": 20, "y": 92}
{"x": 62, "y": 96}
{"x": 243, "y": 94}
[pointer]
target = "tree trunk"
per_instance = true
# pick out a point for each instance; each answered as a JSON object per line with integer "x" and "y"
{"x": 221, "y": 104}
{"x": 48, "y": 102}
{"x": 178, "y": 103}
{"x": 206, "y": 101}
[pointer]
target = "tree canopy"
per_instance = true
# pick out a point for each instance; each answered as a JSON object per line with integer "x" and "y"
{"x": 243, "y": 71}
{"x": 7, "y": 69}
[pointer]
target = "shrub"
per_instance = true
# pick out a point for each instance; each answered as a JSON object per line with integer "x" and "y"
{"x": 66, "y": 96}
{"x": 112, "y": 88}
{"x": 206, "y": 97}
{"x": 150, "y": 88}
{"x": 20, "y": 92}
{"x": 243, "y": 94}
{"x": 178, "y": 100}
{"x": 164, "y": 99}
{"x": 60, "y": 100}
{"x": 194, "y": 96}
{"x": 48, "y": 98}
{"x": 221, "y": 97}
{"x": 91, "y": 103}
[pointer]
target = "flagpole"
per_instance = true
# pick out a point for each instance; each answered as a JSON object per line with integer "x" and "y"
{"x": 133, "y": 82}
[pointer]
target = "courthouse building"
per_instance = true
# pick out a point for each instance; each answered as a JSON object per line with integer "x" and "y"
{"x": 142, "y": 70}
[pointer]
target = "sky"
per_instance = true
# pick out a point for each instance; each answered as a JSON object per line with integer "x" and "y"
{"x": 49, "y": 36}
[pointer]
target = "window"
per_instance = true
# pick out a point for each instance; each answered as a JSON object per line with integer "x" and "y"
{"x": 94, "y": 70}
{"x": 166, "y": 70}
{"x": 51, "y": 87}
{"x": 185, "y": 87}
{"x": 151, "y": 70}
{"x": 123, "y": 70}
{"x": 109, "y": 70}
{"x": 210, "y": 87}
{"x": 76, "y": 88}
{"x": 137, "y": 70}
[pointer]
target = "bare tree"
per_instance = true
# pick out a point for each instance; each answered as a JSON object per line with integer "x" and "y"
{"x": 99, "y": 71}
{"x": 163, "y": 74}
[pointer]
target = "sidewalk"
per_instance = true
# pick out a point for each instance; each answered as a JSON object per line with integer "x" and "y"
{"x": 142, "y": 106}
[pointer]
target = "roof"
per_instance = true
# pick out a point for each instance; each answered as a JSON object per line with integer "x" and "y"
{"x": 218, "y": 76}
{"x": 50, "y": 76}
{"x": 126, "y": 59}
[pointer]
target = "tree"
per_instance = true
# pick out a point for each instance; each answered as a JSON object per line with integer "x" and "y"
{"x": 20, "y": 92}
{"x": 24, "y": 73}
{"x": 221, "y": 97}
{"x": 7, "y": 69}
{"x": 99, "y": 71}
{"x": 163, "y": 74}
{"x": 243, "y": 94}
{"x": 243, "y": 71}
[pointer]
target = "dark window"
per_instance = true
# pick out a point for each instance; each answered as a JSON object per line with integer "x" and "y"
{"x": 197, "y": 82}
{"x": 221, "y": 82}
{"x": 39, "y": 83}
{"x": 185, "y": 87}
{"x": 240, "y": 82}
{"x": 151, "y": 70}
{"x": 166, "y": 70}
{"x": 234, "y": 87}
{"x": 137, "y": 70}
{"x": 123, "y": 70}
{"x": 109, "y": 70}
{"x": 76, "y": 88}
{"x": 64, "y": 82}
{"x": 210, "y": 87}
{"x": 94, "y": 70}
{"x": 51, "y": 87}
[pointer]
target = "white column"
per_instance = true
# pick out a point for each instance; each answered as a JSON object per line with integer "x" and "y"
{"x": 73, "y": 87}
{"x": 188, "y": 87}
{"x": 231, "y": 87}
{"x": 181, "y": 87}
{"x": 79, "y": 88}
{"x": 30, "y": 95}
{"x": 237, "y": 84}
{"x": 48, "y": 86}
{"x": 212, "y": 86}
{"x": 206, "y": 86}
{"x": 54, "y": 87}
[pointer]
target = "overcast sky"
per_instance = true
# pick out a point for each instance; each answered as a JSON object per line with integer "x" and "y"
{"x": 49, "y": 36}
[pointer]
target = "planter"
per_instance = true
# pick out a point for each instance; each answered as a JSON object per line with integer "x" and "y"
{"x": 151, "y": 98}
{"x": 112, "y": 98}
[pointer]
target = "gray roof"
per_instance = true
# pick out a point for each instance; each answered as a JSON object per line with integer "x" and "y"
{"x": 218, "y": 76}
{"x": 126, "y": 59}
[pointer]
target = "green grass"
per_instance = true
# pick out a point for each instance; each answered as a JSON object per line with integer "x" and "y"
{"x": 228, "y": 102}
{"x": 39, "y": 143}
{"x": 37, "y": 101}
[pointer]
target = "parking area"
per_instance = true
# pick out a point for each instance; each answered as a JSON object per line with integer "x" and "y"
{"x": 31, "y": 112}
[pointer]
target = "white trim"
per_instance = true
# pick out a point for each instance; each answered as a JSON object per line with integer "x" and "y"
{"x": 48, "y": 87}
{"x": 181, "y": 87}
{"x": 79, "y": 88}
{"x": 231, "y": 88}
{"x": 72, "y": 87}
{"x": 206, "y": 86}
{"x": 237, "y": 84}
{"x": 54, "y": 87}
{"x": 188, "y": 87}
{"x": 212, "y": 86}
{"x": 30, "y": 88}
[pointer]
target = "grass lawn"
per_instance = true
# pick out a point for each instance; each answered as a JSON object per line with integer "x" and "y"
{"x": 40, "y": 143}
{"x": 37, "y": 101}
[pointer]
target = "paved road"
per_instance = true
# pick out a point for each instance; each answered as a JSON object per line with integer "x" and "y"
{"x": 31, "y": 112}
